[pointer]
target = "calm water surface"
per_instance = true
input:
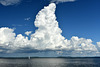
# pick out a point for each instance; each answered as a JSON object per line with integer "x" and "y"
{"x": 51, "y": 62}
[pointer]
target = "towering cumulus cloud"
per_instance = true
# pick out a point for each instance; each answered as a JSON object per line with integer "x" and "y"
{"x": 46, "y": 38}
{"x": 48, "y": 35}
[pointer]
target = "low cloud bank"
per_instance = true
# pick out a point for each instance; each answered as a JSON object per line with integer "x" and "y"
{"x": 46, "y": 38}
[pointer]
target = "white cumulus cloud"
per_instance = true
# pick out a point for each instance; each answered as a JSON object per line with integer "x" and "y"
{"x": 61, "y": 1}
{"x": 7, "y": 36}
{"x": 46, "y": 37}
{"x": 9, "y": 2}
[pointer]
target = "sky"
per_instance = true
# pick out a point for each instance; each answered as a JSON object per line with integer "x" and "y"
{"x": 61, "y": 28}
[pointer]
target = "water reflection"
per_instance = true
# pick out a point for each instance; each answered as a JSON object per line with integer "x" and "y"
{"x": 51, "y": 62}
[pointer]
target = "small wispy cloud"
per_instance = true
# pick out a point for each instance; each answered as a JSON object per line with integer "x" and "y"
{"x": 9, "y": 2}
{"x": 27, "y": 19}
{"x": 61, "y": 1}
{"x": 28, "y": 33}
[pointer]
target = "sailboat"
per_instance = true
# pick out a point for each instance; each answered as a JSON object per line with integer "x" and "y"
{"x": 29, "y": 57}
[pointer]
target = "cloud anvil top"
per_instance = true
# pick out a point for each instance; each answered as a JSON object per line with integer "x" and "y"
{"x": 46, "y": 37}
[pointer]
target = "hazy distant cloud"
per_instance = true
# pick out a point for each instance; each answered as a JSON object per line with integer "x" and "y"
{"x": 46, "y": 38}
{"x": 16, "y": 25}
{"x": 61, "y": 1}
{"x": 27, "y": 18}
{"x": 98, "y": 43}
{"x": 9, "y": 2}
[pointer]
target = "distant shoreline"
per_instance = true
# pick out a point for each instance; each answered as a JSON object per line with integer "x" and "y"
{"x": 43, "y": 57}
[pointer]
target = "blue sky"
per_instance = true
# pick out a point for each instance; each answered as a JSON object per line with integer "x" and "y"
{"x": 80, "y": 18}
